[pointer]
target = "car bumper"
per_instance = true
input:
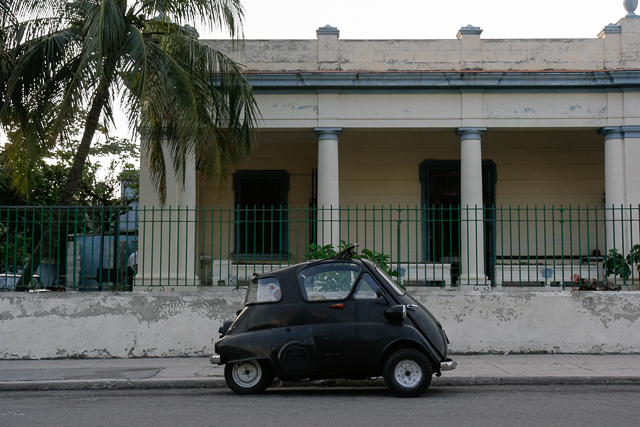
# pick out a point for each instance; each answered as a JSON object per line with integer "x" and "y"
{"x": 215, "y": 359}
{"x": 447, "y": 365}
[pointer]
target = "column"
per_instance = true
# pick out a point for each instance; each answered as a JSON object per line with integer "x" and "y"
{"x": 166, "y": 233}
{"x": 631, "y": 157}
{"x": 614, "y": 186}
{"x": 472, "y": 215}
{"x": 328, "y": 220}
{"x": 631, "y": 215}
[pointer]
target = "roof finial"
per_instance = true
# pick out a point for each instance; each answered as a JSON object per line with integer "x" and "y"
{"x": 630, "y": 6}
{"x": 328, "y": 30}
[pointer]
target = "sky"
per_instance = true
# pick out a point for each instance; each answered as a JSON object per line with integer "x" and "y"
{"x": 427, "y": 19}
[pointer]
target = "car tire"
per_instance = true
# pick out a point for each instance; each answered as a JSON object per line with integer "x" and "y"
{"x": 248, "y": 377}
{"x": 407, "y": 373}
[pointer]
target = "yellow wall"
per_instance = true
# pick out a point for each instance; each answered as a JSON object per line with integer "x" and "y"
{"x": 381, "y": 169}
{"x": 547, "y": 168}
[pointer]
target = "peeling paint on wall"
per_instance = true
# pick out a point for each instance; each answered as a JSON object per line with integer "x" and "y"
{"x": 88, "y": 325}
{"x": 537, "y": 322}
{"x": 139, "y": 324}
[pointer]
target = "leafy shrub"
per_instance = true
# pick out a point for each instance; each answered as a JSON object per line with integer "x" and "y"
{"x": 614, "y": 263}
{"x": 315, "y": 251}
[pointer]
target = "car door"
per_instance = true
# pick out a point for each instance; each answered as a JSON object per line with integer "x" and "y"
{"x": 331, "y": 314}
{"x": 374, "y": 331}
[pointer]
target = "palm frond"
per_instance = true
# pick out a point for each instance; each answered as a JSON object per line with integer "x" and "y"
{"x": 32, "y": 92}
{"x": 213, "y": 14}
{"x": 26, "y": 9}
{"x": 201, "y": 100}
{"x": 186, "y": 101}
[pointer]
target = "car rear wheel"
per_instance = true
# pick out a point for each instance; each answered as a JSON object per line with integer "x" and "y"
{"x": 248, "y": 377}
{"x": 407, "y": 373}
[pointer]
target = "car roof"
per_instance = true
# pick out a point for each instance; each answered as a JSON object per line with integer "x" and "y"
{"x": 288, "y": 277}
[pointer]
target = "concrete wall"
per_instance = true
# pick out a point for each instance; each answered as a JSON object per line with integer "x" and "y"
{"x": 538, "y": 322}
{"x": 94, "y": 325}
{"x": 468, "y": 52}
{"x": 103, "y": 325}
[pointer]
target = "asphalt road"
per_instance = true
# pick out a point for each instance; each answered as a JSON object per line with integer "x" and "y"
{"x": 476, "y": 406}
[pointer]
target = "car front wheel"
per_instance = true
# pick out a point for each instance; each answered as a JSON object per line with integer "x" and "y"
{"x": 249, "y": 377}
{"x": 407, "y": 373}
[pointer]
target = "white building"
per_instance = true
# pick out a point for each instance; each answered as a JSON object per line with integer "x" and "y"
{"x": 420, "y": 123}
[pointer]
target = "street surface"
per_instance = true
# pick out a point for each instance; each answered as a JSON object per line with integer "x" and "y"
{"x": 441, "y": 406}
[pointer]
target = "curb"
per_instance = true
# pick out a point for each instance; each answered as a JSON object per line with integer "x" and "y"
{"x": 113, "y": 384}
{"x": 200, "y": 383}
{"x": 542, "y": 380}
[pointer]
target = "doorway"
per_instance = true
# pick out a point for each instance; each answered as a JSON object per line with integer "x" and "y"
{"x": 261, "y": 214}
{"x": 440, "y": 180}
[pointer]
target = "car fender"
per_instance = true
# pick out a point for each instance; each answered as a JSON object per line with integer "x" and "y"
{"x": 416, "y": 342}
{"x": 240, "y": 347}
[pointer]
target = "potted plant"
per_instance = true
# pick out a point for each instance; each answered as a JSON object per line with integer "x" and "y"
{"x": 615, "y": 264}
{"x": 633, "y": 258}
{"x": 583, "y": 284}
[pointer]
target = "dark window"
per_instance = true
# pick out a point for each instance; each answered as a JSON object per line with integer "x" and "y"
{"x": 261, "y": 214}
{"x": 440, "y": 181}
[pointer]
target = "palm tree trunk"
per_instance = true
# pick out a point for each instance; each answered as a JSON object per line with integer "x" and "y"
{"x": 79, "y": 160}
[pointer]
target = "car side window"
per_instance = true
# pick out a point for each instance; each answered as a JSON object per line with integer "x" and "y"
{"x": 264, "y": 289}
{"x": 328, "y": 281}
{"x": 367, "y": 288}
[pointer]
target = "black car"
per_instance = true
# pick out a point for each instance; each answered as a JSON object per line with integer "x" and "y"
{"x": 335, "y": 318}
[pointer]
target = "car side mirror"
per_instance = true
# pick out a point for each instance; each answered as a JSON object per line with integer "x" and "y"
{"x": 397, "y": 313}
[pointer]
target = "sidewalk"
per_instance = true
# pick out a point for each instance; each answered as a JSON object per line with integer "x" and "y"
{"x": 91, "y": 374}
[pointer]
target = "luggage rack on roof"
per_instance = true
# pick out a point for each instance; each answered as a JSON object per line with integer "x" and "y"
{"x": 348, "y": 253}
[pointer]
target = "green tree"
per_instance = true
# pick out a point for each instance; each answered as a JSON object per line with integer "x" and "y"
{"x": 182, "y": 98}
{"x": 108, "y": 166}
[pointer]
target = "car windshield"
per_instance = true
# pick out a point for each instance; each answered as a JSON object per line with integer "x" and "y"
{"x": 390, "y": 281}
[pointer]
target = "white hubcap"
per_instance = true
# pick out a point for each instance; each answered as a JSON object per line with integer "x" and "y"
{"x": 408, "y": 373}
{"x": 247, "y": 374}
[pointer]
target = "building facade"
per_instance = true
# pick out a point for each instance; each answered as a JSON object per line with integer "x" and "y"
{"x": 466, "y": 160}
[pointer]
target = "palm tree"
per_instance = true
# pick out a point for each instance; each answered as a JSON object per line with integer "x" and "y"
{"x": 5, "y": 20}
{"x": 181, "y": 97}
{"x": 8, "y": 39}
